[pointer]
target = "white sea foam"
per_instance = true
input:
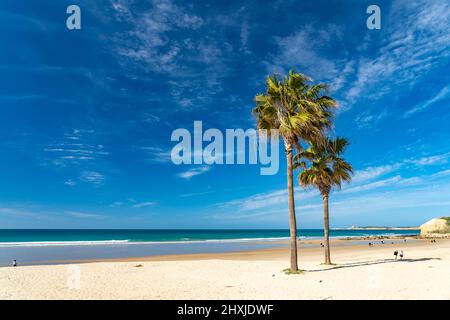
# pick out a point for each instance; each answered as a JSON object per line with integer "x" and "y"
{"x": 129, "y": 242}
{"x": 60, "y": 243}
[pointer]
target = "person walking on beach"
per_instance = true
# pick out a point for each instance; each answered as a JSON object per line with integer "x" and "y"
{"x": 401, "y": 255}
{"x": 14, "y": 263}
{"x": 395, "y": 254}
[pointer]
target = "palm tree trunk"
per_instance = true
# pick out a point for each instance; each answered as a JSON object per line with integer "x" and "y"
{"x": 292, "y": 219}
{"x": 326, "y": 228}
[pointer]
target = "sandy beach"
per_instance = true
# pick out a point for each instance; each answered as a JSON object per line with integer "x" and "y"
{"x": 361, "y": 272}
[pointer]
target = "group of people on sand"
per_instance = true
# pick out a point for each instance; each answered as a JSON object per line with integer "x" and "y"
{"x": 382, "y": 242}
{"x": 397, "y": 254}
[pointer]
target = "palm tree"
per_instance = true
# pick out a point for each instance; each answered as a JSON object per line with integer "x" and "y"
{"x": 300, "y": 112}
{"x": 325, "y": 169}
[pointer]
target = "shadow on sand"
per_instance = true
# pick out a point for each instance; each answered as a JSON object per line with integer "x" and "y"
{"x": 369, "y": 263}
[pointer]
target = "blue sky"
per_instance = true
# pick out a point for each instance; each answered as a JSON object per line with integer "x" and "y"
{"x": 86, "y": 115}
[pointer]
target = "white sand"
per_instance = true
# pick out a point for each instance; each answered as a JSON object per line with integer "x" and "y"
{"x": 360, "y": 273}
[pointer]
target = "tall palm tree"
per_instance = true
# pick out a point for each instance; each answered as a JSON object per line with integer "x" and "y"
{"x": 325, "y": 169}
{"x": 300, "y": 112}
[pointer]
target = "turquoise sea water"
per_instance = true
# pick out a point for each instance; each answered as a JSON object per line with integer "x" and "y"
{"x": 101, "y": 236}
{"x": 30, "y": 247}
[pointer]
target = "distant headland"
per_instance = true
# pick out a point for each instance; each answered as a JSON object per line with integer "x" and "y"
{"x": 377, "y": 228}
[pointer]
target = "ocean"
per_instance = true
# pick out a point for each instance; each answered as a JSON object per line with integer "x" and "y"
{"x": 57, "y": 246}
{"x": 30, "y": 237}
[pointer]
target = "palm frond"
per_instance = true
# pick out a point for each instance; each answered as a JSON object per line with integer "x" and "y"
{"x": 300, "y": 110}
{"x": 326, "y": 169}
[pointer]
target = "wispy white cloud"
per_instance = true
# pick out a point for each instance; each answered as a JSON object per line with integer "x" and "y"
{"x": 116, "y": 204}
{"x": 441, "y": 95}
{"x": 149, "y": 39}
{"x": 373, "y": 172}
{"x": 365, "y": 180}
{"x": 265, "y": 200}
{"x": 365, "y": 207}
{"x": 369, "y": 119}
{"x": 147, "y": 42}
{"x": 70, "y": 182}
{"x": 304, "y": 47}
{"x": 373, "y": 185}
{"x": 157, "y": 154}
{"x": 22, "y": 211}
{"x": 73, "y": 149}
{"x": 133, "y": 204}
{"x": 76, "y": 151}
{"x": 442, "y": 173}
{"x": 93, "y": 177}
{"x": 144, "y": 204}
{"x": 195, "y": 194}
{"x": 422, "y": 197}
{"x": 410, "y": 181}
{"x": 83, "y": 215}
{"x": 416, "y": 43}
{"x": 430, "y": 160}
{"x": 194, "y": 172}
{"x": 394, "y": 194}
{"x": 151, "y": 118}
